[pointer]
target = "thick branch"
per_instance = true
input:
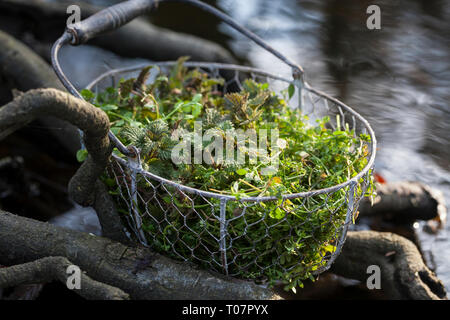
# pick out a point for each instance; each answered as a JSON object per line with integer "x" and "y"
{"x": 405, "y": 202}
{"x": 135, "y": 270}
{"x": 404, "y": 275}
{"x": 142, "y": 38}
{"x": 55, "y": 268}
{"x": 108, "y": 216}
{"x": 93, "y": 121}
{"x": 23, "y": 67}
{"x": 25, "y": 70}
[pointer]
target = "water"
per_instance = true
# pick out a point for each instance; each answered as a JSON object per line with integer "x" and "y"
{"x": 397, "y": 77}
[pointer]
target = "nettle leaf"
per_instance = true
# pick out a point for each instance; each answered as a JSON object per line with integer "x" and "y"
{"x": 236, "y": 100}
{"x": 197, "y": 98}
{"x": 250, "y": 86}
{"x": 259, "y": 100}
{"x": 179, "y": 69}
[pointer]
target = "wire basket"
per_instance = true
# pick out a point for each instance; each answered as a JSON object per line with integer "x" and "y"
{"x": 238, "y": 237}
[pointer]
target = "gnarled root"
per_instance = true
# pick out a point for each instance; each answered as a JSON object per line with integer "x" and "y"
{"x": 137, "y": 271}
{"x": 93, "y": 121}
{"x": 56, "y": 268}
{"x": 404, "y": 275}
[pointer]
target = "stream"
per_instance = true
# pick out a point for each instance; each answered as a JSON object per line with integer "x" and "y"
{"x": 397, "y": 77}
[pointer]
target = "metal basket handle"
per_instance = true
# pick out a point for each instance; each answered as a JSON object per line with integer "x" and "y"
{"x": 117, "y": 15}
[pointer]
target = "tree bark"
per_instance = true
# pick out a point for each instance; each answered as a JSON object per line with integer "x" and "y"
{"x": 405, "y": 202}
{"x": 108, "y": 216}
{"x": 93, "y": 121}
{"x": 55, "y": 268}
{"x": 144, "y": 274}
{"x": 84, "y": 187}
{"x": 136, "y": 271}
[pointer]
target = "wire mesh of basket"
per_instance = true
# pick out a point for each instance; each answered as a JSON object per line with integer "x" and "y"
{"x": 284, "y": 237}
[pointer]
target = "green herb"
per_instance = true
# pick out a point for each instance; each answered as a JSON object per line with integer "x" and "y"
{"x": 82, "y": 155}
{"x": 278, "y": 240}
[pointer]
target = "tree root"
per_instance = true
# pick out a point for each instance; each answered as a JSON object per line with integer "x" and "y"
{"x": 145, "y": 275}
{"x": 136, "y": 271}
{"x": 27, "y": 71}
{"x": 24, "y": 70}
{"x": 404, "y": 275}
{"x": 55, "y": 268}
{"x": 405, "y": 202}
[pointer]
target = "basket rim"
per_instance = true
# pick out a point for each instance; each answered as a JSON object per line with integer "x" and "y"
{"x": 212, "y": 65}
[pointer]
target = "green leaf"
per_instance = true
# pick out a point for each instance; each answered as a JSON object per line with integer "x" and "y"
{"x": 82, "y": 155}
{"x": 197, "y": 97}
{"x": 109, "y": 107}
{"x": 125, "y": 87}
{"x": 87, "y": 94}
{"x": 135, "y": 124}
{"x": 142, "y": 78}
{"x": 241, "y": 172}
{"x": 291, "y": 90}
{"x": 277, "y": 214}
{"x": 196, "y": 109}
{"x": 187, "y": 107}
{"x": 162, "y": 79}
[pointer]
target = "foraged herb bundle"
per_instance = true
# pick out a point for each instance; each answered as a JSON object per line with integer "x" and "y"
{"x": 284, "y": 239}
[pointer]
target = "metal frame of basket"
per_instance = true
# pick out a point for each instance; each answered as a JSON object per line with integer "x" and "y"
{"x": 161, "y": 193}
